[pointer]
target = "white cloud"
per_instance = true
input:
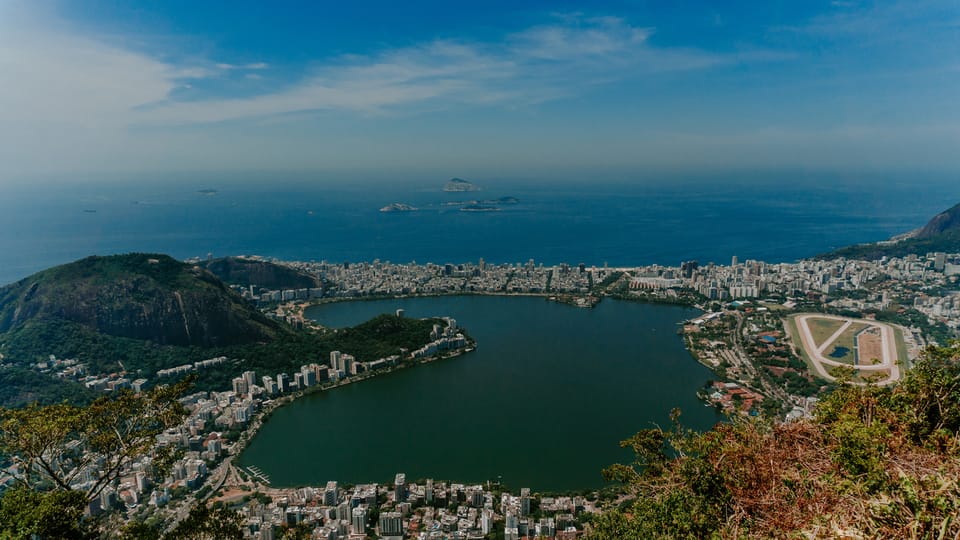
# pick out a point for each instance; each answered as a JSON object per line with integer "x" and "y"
{"x": 71, "y": 102}
{"x": 66, "y": 100}
{"x": 252, "y": 66}
{"x": 891, "y": 22}
{"x": 535, "y": 65}
{"x": 579, "y": 38}
{"x": 60, "y": 86}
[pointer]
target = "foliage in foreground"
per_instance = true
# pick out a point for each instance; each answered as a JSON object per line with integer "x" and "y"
{"x": 874, "y": 463}
{"x": 55, "y": 446}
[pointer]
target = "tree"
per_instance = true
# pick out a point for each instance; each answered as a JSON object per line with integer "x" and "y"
{"x": 209, "y": 523}
{"x": 55, "y": 444}
{"x": 875, "y": 462}
{"x": 53, "y": 514}
{"x": 300, "y": 531}
{"x": 138, "y": 530}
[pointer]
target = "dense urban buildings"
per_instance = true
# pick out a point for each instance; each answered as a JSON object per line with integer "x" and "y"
{"x": 221, "y": 423}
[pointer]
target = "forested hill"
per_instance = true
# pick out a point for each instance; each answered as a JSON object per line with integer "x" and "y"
{"x": 941, "y": 233}
{"x": 141, "y": 296}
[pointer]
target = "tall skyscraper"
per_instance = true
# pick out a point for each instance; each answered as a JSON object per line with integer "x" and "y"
{"x": 331, "y": 494}
{"x": 335, "y": 360}
{"x": 400, "y": 487}
{"x": 240, "y": 386}
{"x": 358, "y": 520}
{"x": 391, "y": 524}
{"x": 309, "y": 375}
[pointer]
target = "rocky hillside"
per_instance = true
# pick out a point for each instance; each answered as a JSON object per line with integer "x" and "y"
{"x": 141, "y": 296}
{"x": 243, "y": 271}
{"x": 942, "y": 223}
{"x": 942, "y": 233}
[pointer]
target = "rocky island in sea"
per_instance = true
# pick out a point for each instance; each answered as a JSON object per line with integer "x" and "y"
{"x": 479, "y": 208}
{"x": 459, "y": 184}
{"x": 486, "y": 202}
{"x": 398, "y": 207}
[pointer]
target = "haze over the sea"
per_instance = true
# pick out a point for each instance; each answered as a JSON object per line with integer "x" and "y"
{"x": 781, "y": 217}
{"x": 632, "y": 133}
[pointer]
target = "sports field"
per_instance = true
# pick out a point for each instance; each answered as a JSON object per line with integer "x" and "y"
{"x": 835, "y": 344}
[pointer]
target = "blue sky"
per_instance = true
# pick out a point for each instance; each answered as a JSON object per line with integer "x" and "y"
{"x": 478, "y": 88}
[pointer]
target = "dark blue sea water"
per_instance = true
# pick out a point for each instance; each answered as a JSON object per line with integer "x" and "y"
{"x": 775, "y": 217}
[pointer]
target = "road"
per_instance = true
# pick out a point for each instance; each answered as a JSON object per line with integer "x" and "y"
{"x": 748, "y": 368}
{"x": 215, "y": 480}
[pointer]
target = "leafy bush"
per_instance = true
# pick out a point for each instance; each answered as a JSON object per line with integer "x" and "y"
{"x": 874, "y": 462}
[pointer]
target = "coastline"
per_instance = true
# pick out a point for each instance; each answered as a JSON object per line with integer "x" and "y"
{"x": 251, "y": 431}
{"x": 741, "y": 365}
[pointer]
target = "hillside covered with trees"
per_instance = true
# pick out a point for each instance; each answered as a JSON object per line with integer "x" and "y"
{"x": 140, "y": 296}
{"x": 941, "y": 233}
{"x": 872, "y": 463}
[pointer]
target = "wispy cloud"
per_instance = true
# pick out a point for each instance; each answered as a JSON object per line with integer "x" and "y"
{"x": 538, "y": 64}
{"x": 70, "y": 101}
{"x": 251, "y": 66}
{"x": 98, "y": 83}
{"x": 885, "y": 22}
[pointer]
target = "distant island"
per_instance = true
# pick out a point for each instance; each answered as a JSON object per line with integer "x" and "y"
{"x": 398, "y": 207}
{"x": 207, "y": 191}
{"x": 457, "y": 185}
{"x": 487, "y": 202}
{"x": 479, "y": 208}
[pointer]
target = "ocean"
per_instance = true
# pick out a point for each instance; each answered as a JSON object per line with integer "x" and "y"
{"x": 775, "y": 218}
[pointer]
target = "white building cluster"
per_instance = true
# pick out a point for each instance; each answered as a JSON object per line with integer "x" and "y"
{"x": 427, "y": 510}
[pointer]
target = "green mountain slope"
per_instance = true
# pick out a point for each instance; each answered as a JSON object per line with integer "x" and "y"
{"x": 942, "y": 223}
{"x": 942, "y": 233}
{"x": 140, "y": 296}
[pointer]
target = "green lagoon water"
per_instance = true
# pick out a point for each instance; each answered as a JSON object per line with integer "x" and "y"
{"x": 542, "y": 402}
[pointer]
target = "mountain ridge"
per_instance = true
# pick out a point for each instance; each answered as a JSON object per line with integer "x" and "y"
{"x": 142, "y": 296}
{"x": 940, "y": 233}
{"x": 253, "y": 271}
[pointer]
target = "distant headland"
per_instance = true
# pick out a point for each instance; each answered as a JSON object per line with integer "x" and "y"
{"x": 459, "y": 184}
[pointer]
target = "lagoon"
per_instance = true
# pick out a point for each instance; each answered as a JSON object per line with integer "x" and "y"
{"x": 543, "y": 402}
